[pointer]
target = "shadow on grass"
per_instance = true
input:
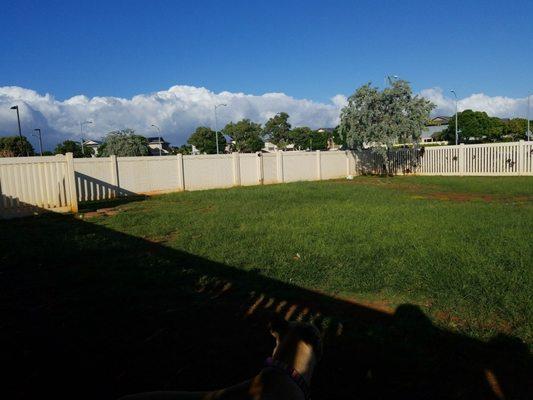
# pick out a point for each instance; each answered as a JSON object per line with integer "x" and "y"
{"x": 92, "y": 313}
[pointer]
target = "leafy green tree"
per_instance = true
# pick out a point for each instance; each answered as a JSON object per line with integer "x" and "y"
{"x": 70, "y": 146}
{"x": 301, "y": 137}
{"x": 13, "y": 146}
{"x": 184, "y": 149}
{"x": 474, "y": 127}
{"x": 515, "y": 129}
{"x": 205, "y": 140}
{"x": 246, "y": 136}
{"x": 124, "y": 143}
{"x": 339, "y": 137}
{"x": 278, "y": 130}
{"x": 384, "y": 117}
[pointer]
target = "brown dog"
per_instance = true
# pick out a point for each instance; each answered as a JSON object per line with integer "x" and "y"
{"x": 286, "y": 375}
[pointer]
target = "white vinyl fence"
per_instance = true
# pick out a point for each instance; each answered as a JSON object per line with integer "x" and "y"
{"x": 29, "y": 184}
{"x": 66, "y": 181}
{"x": 512, "y": 158}
{"x": 58, "y": 183}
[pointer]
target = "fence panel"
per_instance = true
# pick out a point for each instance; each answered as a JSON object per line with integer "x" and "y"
{"x": 33, "y": 184}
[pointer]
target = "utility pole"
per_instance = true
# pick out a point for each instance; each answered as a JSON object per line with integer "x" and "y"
{"x": 38, "y": 130}
{"x": 456, "y": 130}
{"x": 20, "y": 131}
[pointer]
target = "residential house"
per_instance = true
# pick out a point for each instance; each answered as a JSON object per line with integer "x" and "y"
{"x": 158, "y": 146}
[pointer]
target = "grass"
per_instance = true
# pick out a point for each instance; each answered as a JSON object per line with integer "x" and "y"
{"x": 466, "y": 259}
{"x": 421, "y": 285}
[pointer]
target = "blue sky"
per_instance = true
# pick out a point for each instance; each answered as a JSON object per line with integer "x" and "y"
{"x": 304, "y": 49}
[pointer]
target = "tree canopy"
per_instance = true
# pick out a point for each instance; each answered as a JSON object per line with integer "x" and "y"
{"x": 13, "y": 146}
{"x": 204, "y": 139}
{"x": 384, "y": 117}
{"x": 124, "y": 143}
{"x": 70, "y": 146}
{"x": 278, "y": 130}
{"x": 246, "y": 136}
{"x": 474, "y": 127}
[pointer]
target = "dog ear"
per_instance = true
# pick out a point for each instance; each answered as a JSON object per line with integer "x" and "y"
{"x": 278, "y": 325}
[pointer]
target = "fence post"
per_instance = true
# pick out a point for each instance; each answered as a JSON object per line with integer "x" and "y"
{"x": 236, "y": 169}
{"x": 521, "y": 168}
{"x": 181, "y": 172}
{"x": 72, "y": 182}
{"x": 462, "y": 159}
{"x": 318, "y": 165}
{"x": 260, "y": 172}
{"x": 279, "y": 166}
{"x": 114, "y": 175}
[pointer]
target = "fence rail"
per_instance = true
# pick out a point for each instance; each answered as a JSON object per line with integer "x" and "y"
{"x": 58, "y": 183}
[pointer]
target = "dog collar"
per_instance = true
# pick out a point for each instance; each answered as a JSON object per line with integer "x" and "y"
{"x": 294, "y": 375}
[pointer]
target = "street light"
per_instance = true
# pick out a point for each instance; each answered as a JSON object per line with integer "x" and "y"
{"x": 216, "y": 130}
{"x": 20, "y": 130}
{"x": 528, "y": 130}
{"x": 390, "y": 78}
{"x": 38, "y": 130}
{"x": 456, "y": 131}
{"x": 160, "y": 143}
{"x": 81, "y": 133}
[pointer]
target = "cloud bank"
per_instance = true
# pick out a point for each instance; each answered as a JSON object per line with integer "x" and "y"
{"x": 180, "y": 109}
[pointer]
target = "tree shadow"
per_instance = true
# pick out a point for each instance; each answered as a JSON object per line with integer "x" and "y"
{"x": 89, "y": 312}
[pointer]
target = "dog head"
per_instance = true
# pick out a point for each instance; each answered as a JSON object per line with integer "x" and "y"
{"x": 295, "y": 340}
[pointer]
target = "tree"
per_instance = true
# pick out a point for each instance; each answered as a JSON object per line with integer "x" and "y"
{"x": 385, "y": 117}
{"x": 474, "y": 127}
{"x": 246, "y": 136}
{"x": 301, "y": 137}
{"x": 13, "y": 146}
{"x": 124, "y": 143}
{"x": 277, "y": 130}
{"x": 515, "y": 129}
{"x": 184, "y": 149}
{"x": 205, "y": 140}
{"x": 70, "y": 146}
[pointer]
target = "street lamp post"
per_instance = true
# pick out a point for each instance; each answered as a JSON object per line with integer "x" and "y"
{"x": 391, "y": 78}
{"x": 216, "y": 122}
{"x": 20, "y": 130}
{"x": 38, "y": 130}
{"x": 81, "y": 133}
{"x": 160, "y": 142}
{"x": 456, "y": 131}
{"x": 528, "y": 130}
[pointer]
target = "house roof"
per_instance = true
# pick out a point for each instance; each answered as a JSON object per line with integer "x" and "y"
{"x": 156, "y": 140}
{"x": 90, "y": 141}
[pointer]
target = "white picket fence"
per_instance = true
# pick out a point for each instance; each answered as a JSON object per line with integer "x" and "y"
{"x": 58, "y": 183}
{"x": 491, "y": 159}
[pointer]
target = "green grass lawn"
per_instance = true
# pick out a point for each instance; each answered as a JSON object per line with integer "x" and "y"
{"x": 459, "y": 247}
{"x": 421, "y": 285}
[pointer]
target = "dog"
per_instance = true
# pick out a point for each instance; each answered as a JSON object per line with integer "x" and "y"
{"x": 285, "y": 376}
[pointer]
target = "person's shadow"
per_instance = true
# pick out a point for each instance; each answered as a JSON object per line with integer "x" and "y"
{"x": 88, "y": 312}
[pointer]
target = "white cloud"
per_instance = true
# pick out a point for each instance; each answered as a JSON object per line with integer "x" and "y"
{"x": 180, "y": 109}
{"x": 497, "y": 106}
{"x": 177, "y": 111}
